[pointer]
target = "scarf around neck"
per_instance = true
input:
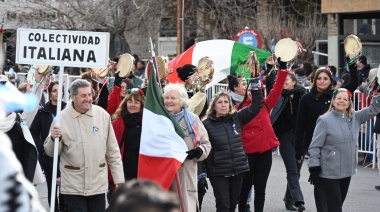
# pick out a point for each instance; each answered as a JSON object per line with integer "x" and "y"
{"x": 190, "y": 124}
{"x": 236, "y": 97}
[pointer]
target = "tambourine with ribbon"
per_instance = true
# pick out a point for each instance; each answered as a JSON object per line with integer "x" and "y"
{"x": 254, "y": 64}
{"x": 205, "y": 70}
{"x": 102, "y": 72}
{"x": 353, "y": 48}
{"x": 374, "y": 83}
{"x": 125, "y": 65}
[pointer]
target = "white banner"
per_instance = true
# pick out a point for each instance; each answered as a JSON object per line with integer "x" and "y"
{"x": 62, "y": 48}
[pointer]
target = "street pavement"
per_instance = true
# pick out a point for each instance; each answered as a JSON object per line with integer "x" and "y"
{"x": 361, "y": 196}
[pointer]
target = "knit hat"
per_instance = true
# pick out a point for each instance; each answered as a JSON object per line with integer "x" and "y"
{"x": 363, "y": 59}
{"x": 186, "y": 71}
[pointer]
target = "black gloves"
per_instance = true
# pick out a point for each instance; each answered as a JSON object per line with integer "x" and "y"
{"x": 118, "y": 80}
{"x": 203, "y": 183}
{"x": 254, "y": 83}
{"x": 314, "y": 175}
{"x": 194, "y": 153}
{"x": 282, "y": 64}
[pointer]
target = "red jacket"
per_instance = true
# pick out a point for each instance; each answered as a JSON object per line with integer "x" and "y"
{"x": 114, "y": 100}
{"x": 258, "y": 135}
{"x": 118, "y": 127}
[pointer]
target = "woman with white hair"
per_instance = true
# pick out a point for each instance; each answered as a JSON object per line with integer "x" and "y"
{"x": 196, "y": 139}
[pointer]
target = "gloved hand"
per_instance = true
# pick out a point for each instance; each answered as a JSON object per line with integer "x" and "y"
{"x": 194, "y": 153}
{"x": 203, "y": 183}
{"x": 314, "y": 175}
{"x": 254, "y": 83}
{"x": 283, "y": 65}
{"x": 117, "y": 81}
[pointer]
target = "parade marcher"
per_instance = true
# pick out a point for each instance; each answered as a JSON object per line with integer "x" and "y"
{"x": 119, "y": 91}
{"x": 311, "y": 106}
{"x": 259, "y": 139}
{"x": 127, "y": 125}
{"x": 87, "y": 146}
{"x": 227, "y": 161}
{"x": 175, "y": 102}
{"x": 284, "y": 117}
{"x": 333, "y": 150}
{"x": 237, "y": 86}
{"x": 363, "y": 69}
{"x": 40, "y": 130}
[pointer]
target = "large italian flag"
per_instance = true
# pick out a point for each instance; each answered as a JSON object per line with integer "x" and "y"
{"x": 162, "y": 148}
{"x": 228, "y": 56}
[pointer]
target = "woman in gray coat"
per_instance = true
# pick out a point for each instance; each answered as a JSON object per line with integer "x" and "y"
{"x": 333, "y": 149}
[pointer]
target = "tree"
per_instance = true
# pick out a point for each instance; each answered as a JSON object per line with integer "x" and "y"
{"x": 118, "y": 17}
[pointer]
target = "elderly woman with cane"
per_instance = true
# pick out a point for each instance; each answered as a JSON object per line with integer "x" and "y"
{"x": 196, "y": 139}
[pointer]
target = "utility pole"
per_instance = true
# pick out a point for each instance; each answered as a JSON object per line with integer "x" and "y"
{"x": 179, "y": 26}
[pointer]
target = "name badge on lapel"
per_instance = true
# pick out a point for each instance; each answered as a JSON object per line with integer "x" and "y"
{"x": 95, "y": 130}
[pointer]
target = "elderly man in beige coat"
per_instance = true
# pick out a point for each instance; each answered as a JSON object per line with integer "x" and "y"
{"x": 87, "y": 147}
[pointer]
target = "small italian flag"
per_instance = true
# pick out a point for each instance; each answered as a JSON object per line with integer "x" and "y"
{"x": 162, "y": 148}
{"x": 228, "y": 57}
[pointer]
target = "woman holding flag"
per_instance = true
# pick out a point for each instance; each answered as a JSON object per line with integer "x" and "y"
{"x": 196, "y": 139}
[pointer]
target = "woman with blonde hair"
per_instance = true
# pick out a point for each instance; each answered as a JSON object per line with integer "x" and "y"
{"x": 333, "y": 149}
{"x": 227, "y": 160}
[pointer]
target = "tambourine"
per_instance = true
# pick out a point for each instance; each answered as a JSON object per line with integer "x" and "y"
{"x": 352, "y": 46}
{"x": 374, "y": 84}
{"x": 42, "y": 69}
{"x": 125, "y": 65}
{"x": 102, "y": 72}
{"x": 287, "y": 49}
{"x": 254, "y": 64}
{"x": 162, "y": 67}
{"x": 205, "y": 69}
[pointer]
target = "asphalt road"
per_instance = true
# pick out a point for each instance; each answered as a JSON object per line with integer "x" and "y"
{"x": 361, "y": 196}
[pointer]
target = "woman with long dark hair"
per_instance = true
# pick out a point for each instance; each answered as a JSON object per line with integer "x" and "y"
{"x": 40, "y": 129}
{"x": 283, "y": 118}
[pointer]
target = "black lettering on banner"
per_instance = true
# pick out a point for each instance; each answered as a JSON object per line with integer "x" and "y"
{"x": 30, "y": 36}
{"x": 41, "y": 54}
{"x": 32, "y": 48}
{"x": 64, "y": 38}
{"x": 44, "y": 38}
{"x": 37, "y": 37}
{"x": 50, "y": 56}
{"x": 78, "y": 55}
{"x": 91, "y": 56}
{"x": 51, "y": 38}
{"x": 66, "y": 55}
{"x": 90, "y": 40}
{"x": 58, "y": 51}
{"x": 97, "y": 40}
{"x": 25, "y": 49}
{"x": 75, "y": 38}
{"x": 84, "y": 39}
{"x": 56, "y": 38}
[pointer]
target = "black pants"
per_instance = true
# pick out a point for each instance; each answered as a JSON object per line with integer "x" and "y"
{"x": 226, "y": 192}
{"x": 201, "y": 193}
{"x": 260, "y": 165}
{"x": 336, "y": 192}
{"x": 78, "y": 203}
{"x": 293, "y": 192}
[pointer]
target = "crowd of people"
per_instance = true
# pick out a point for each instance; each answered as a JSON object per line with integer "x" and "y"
{"x": 230, "y": 138}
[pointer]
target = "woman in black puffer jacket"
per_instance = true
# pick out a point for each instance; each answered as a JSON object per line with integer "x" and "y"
{"x": 227, "y": 160}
